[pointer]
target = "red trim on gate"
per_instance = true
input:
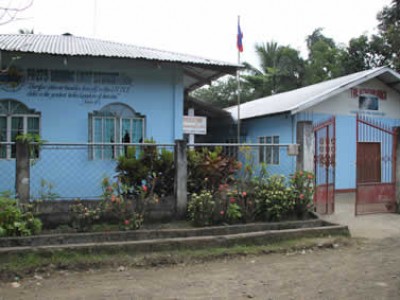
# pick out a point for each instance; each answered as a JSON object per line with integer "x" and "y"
{"x": 392, "y": 132}
{"x": 357, "y": 138}
{"x": 376, "y": 197}
{"x": 345, "y": 191}
{"x": 324, "y": 196}
{"x": 326, "y": 123}
{"x": 394, "y": 155}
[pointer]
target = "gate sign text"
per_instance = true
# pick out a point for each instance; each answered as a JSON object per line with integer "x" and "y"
{"x": 194, "y": 125}
{"x": 356, "y": 92}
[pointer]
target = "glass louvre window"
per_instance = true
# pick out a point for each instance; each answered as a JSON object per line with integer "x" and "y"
{"x": 269, "y": 154}
{"x": 104, "y": 132}
{"x": 275, "y": 150}
{"x": 15, "y": 119}
{"x": 132, "y": 130}
{"x": 115, "y": 123}
{"x": 33, "y": 128}
{"x": 17, "y": 128}
{"x": 261, "y": 140}
{"x": 3, "y": 137}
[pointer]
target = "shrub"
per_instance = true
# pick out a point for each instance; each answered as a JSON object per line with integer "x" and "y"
{"x": 128, "y": 205}
{"x": 302, "y": 192}
{"x": 15, "y": 221}
{"x": 233, "y": 212}
{"x": 208, "y": 169}
{"x": 201, "y": 208}
{"x": 83, "y": 217}
{"x": 238, "y": 205}
{"x": 46, "y": 191}
{"x": 147, "y": 164}
{"x": 273, "y": 199}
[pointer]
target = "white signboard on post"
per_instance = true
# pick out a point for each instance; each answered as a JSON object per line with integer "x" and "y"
{"x": 194, "y": 125}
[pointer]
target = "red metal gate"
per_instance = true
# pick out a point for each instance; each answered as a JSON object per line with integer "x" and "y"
{"x": 324, "y": 166}
{"x": 376, "y": 167}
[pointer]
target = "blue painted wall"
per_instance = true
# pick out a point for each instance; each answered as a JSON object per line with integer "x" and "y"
{"x": 279, "y": 125}
{"x": 155, "y": 91}
{"x": 285, "y": 127}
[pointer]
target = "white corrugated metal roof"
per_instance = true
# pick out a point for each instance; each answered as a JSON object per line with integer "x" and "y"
{"x": 198, "y": 70}
{"x": 81, "y": 46}
{"x": 303, "y": 98}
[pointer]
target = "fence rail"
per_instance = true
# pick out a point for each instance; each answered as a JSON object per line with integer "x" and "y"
{"x": 64, "y": 170}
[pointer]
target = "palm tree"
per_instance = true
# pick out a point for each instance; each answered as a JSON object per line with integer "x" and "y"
{"x": 281, "y": 69}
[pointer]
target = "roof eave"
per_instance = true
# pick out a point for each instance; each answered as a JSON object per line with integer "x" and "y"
{"x": 309, "y": 103}
{"x": 207, "y": 80}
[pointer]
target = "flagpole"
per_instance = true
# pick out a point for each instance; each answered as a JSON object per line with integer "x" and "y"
{"x": 238, "y": 92}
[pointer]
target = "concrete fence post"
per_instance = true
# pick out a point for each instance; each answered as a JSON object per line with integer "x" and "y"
{"x": 397, "y": 162}
{"x": 181, "y": 177}
{"x": 305, "y": 140}
{"x": 22, "y": 176}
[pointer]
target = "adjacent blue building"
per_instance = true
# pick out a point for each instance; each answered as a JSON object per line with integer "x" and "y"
{"x": 373, "y": 95}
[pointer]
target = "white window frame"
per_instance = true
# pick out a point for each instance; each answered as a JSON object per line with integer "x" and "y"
{"x": 118, "y": 134}
{"x": 262, "y": 157}
{"x": 9, "y": 115}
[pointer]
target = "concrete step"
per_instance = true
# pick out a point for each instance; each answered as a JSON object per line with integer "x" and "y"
{"x": 189, "y": 242}
{"x": 143, "y": 234}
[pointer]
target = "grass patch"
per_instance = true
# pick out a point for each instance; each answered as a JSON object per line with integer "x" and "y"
{"x": 107, "y": 227}
{"x": 21, "y": 265}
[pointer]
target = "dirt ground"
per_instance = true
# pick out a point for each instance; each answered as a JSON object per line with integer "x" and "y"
{"x": 366, "y": 270}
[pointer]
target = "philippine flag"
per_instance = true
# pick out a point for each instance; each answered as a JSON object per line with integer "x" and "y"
{"x": 239, "y": 38}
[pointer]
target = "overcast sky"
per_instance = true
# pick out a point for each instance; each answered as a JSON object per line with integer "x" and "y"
{"x": 206, "y": 28}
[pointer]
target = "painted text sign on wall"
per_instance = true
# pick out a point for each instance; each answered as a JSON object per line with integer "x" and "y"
{"x": 356, "y": 92}
{"x": 90, "y": 87}
{"x": 194, "y": 125}
{"x": 82, "y": 91}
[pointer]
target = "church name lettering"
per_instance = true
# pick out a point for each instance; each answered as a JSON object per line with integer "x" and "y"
{"x": 76, "y": 91}
{"x": 356, "y": 92}
{"x": 88, "y": 86}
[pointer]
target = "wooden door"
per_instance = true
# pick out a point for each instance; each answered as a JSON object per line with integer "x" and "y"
{"x": 368, "y": 162}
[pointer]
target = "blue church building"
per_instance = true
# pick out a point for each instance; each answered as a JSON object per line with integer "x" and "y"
{"x": 80, "y": 90}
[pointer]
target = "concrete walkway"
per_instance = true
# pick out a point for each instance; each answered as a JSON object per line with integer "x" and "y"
{"x": 373, "y": 226}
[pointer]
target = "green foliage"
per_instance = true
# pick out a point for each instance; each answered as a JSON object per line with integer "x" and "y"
{"x": 46, "y": 191}
{"x": 281, "y": 70}
{"x": 15, "y": 221}
{"x": 264, "y": 198}
{"x": 387, "y": 41}
{"x": 127, "y": 208}
{"x": 35, "y": 143}
{"x": 83, "y": 217}
{"x": 273, "y": 199}
{"x": 302, "y": 192}
{"x": 208, "y": 169}
{"x": 358, "y": 55}
{"x": 247, "y": 194}
{"x": 202, "y": 208}
{"x": 233, "y": 212}
{"x": 244, "y": 201}
{"x": 324, "y": 58}
{"x": 223, "y": 93}
{"x": 147, "y": 164}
